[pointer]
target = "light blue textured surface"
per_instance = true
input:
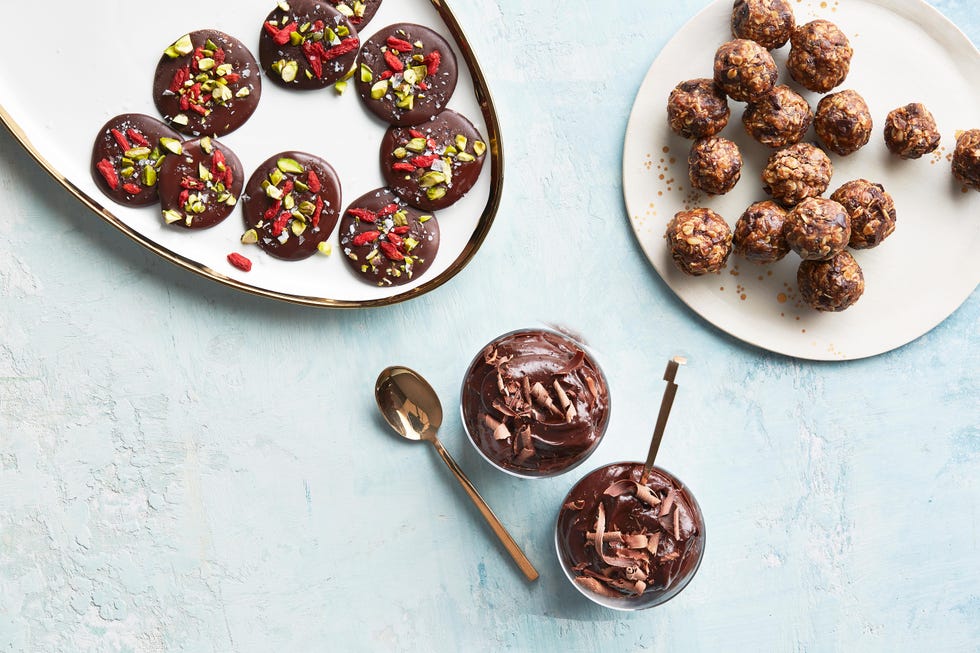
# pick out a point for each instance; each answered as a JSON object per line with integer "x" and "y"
{"x": 187, "y": 468}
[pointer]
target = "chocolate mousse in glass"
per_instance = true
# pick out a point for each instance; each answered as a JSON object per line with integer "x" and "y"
{"x": 534, "y": 403}
{"x": 628, "y": 545}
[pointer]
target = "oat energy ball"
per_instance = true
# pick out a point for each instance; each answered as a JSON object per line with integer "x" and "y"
{"x": 714, "y": 165}
{"x": 797, "y": 172}
{"x": 697, "y": 108}
{"x": 819, "y": 56}
{"x": 871, "y": 210}
{"x": 911, "y": 131}
{"x": 744, "y": 70}
{"x": 759, "y": 233}
{"x": 779, "y": 118}
{"x": 700, "y": 241}
{"x": 966, "y": 158}
{"x": 831, "y": 285}
{"x": 843, "y": 122}
{"x": 818, "y": 228}
{"x": 767, "y": 22}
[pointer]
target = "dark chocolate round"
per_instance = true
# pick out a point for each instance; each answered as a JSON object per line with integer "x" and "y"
{"x": 831, "y": 285}
{"x": 207, "y": 84}
{"x": 127, "y": 156}
{"x": 358, "y": 12}
{"x": 201, "y": 186}
{"x": 406, "y": 74}
{"x": 535, "y": 403}
{"x": 307, "y": 45}
{"x": 630, "y": 544}
{"x": 433, "y": 165}
{"x": 385, "y": 241}
{"x": 291, "y": 203}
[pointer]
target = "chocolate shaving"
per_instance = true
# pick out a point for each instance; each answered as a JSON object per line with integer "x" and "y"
{"x": 524, "y": 455}
{"x": 501, "y": 386}
{"x": 668, "y": 503}
{"x": 635, "y": 573}
{"x": 609, "y": 536}
{"x": 573, "y": 364}
{"x": 677, "y": 524}
{"x": 654, "y": 543}
{"x": 541, "y": 396}
{"x": 594, "y": 585}
{"x": 566, "y": 404}
{"x": 636, "y": 540}
{"x": 578, "y": 504}
{"x": 490, "y": 355}
{"x": 619, "y": 488}
{"x": 504, "y": 409}
{"x": 500, "y": 430}
{"x": 646, "y": 495}
{"x": 526, "y": 385}
{"x": 600, "y": 529}
{"x": 592, "y": 389}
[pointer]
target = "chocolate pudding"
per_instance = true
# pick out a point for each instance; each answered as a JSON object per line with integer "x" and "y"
{"x": 626, "y": 545}
{"x": 535, "y": 403}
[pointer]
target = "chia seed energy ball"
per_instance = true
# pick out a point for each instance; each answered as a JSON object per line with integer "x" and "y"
{"x": 818, "y": 228}
{"x": 714, "y": 165}
{"x": 759, "y": 233}
{"x": 819, "y": 56}
{"x": 779, "y": 118}
{"x": 832, "y": 285}
{"x": 843, "y": 122}
{"x": 744, "y": 70}
{"x": 797, "y": 172}
{"x": 911, "y": 131}
{"x": 966, "y": 159}
{"x": 699, "y": 240}
{"x": 697, "y": 108}
{"x": 769, "y": 23}
{"x": 871, "y": 209}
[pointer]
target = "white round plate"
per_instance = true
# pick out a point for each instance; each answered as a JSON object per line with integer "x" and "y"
{"x": 904, "y": 51}
{"x": 97, "y": 60}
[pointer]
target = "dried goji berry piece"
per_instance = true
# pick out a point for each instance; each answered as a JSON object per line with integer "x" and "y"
{"x": 282, "y": 36}
{"x": 240, "y": 262}
{"x": 364, "y": 215}
{"x": 393, "y": 62}
{"x": 387, "y": 210}
{"x": 432, "y": 61}
{"x": 183, "y": 197}
{"x": 414, "y": 133}
{"x": 108, "y": 173}
{"x": 399, "y": 44}
{"x": 395, "y": 239}
{"x": 120, "y": 139}
{"x": 403, "y": 166}
{"x": 273, "y": 210}
{"x": 313, "y": 182}
{"x": 280, "y": 223}
{"x": 391, "y": 252}
{"x": 424, "y": 161}
{"x": 365, "y": 237}
{"x": 349, "y": 44}
{"x": 385, "y": 74}
{"x": 131, "y": 188}
{"x": 137, "y": 138}
{"x": 218, "y": 56}
{"x": 402, "y": 230}
{"x": 315, "y": 218}
{"x": 312, "y": 54}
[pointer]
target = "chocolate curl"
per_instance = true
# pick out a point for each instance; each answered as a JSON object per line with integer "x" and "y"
{"x": 636, "y": 540}
{"x": 500, "y": 430}
{"x": 654, "y": 543}
{"x": 646, "y": 495}
{"x": 677, "y": 525}
{"x": 578, "y": 504}
{"x": 501, "y": 386}
{"x": 594, "y": 585}
{"x": 609, "y": 536}
{"x": 600, "y": 530}
{"x": 573, "y": 364}
{"x": 566, "y": 404}
{"x": 541, "y": 396}
{"x": 668, "y": 503}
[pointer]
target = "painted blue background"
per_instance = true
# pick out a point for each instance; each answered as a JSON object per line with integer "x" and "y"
{"x": 187, "y": 468}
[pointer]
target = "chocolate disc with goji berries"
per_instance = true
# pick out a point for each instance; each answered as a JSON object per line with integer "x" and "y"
{"x": 432, "y": 165}
{"x": 127, "y": 156}
{"x": 291, "y": 205}
{"x": 385, "y": 241}
{"x": 358, "y": 12}
{"x": 306, "y": 44}
{"x": 406, "y": 74}
{"x": 201, "y": 186}
{"x": 207, "y": 84}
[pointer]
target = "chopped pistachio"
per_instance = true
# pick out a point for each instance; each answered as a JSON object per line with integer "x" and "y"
{"x": 461, "y": 142}
{"x": 224, "y": 69}
{"x": 324, "y": 248}
{"x": 366, "y": 73}
{"x": 430, "y": 179}
{"x": 400, "y": 218}
{"x": 243, "y": 92}
{"x": 416, "y": 145}
{"x": 450, "y": 150}
{"x": 379, "y": 89}
{"x": 205, "y": 63}
{"x": 223, "y": 197}
{"x": 305, "y": 27}
{"x": 222, "y": 94}
{"x": 409, "y": 76}
{"x": 290, "y": 165}
{"x": 479, "y": 147}
{"x": 149, "y": 176}
{"x": 283, "y": 5}
{"x": 359, "y": 8}
{"x": 273, "y": 192}
{"x": 276, "y": 66}
{"x": 465, "y": 157}
{"x": 420, "y": 72}
{"x": 289, "y": 202}
{"x": 300, "y": 186}
{"x": 329, "y": 34}
{"x": 211, "y": 45}
{"x": 435, "y": 193}
{"x": 345, "y": 10}
{"x": 180, "y": 119}
{"x": 231, "y": 201}
{"x": 400, "y": 152}
{"x": 276, "y": 177}
{"x": 411, "y": 243}
{"x": 289, "y": 71}
{"x": 295, "y": 38}
{"x": 206, "y": 145}
{"x": 340, "y": 87}
{"x": 306, "y": 208}
{"x": 424, "y": 218}
{"x": 182, "y": 46}
{"x": 219, "y": 187}
{"x": 297, "y": 227}
{"x": 138, "y": 153}
{"x": 342, "y": 31}
{"x": 127, "y": 161}
{"x": 170, "y": 216}
{"x": 203, "y": 173}
{"x": 250, "y": 237}
{"x": 128, "y": 171}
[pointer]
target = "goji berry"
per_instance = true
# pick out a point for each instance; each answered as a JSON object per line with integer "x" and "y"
{"x": 137, "y": 138}
{"x": 404, "y": 167}
{"x": 131, "y": 188}
{"x": 190, "y": 182}
{"x": 273, "y": 210}
{"x": 399, "y": 44}
{"x": 287, "y": 187}
{"x": 108, "y": 173}
{"x": 240, "y": 262}
{"x": 197, "y": 108}
{"x": 120, "y": 139}
{"x": 313, "y": 57}
{"x": 391, "y": 252}
{"x": 364, "y": 215}
{"x": 218, "y": 160}
{"x": 414, "y": 133}
{"x": 395, "y": 239}
{"x": 313, "y": 182}
{"x": 387, "y": 210}
{"x": 231, "y": 78}
{"x": 365, "y": 237}
{"x": 183, "y": 197}
{"x": 402, "y": 230}
{"x": 185, "y": 103}
{"x": 432, "y": 61}
{"x": 315, "y": 218}
{"x": 282, "y": 36}
{"x": 423, "y": 86}
{"x": 349, "y": 44}
{"x": 424, "y": 161}
{"x": 393, "y": 62}
{"x": 318, "y": 25}
{"x": 181, "y": 76}
{"x": 280, "y": 223}
{"x": 385, "y": 74}
{"x": 219, "y": 57}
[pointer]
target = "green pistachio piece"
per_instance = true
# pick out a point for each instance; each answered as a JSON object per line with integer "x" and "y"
{"x": 435, "y": 193}
{"x": 250, "y": 237}
{"x": 306, "y": 208}
{"x": 289, "y": 202}
{"x": 203, "y": 77}
{"x": 400, "y": 152}
{"x": 424, "y": 218}
{"x": 411, "y": 243}
{"x": 224, "y": 69}
{"x": 324, "y": 248}
{"x": 410, "y": 76}
{"x": 205, "y": 63}
{"x": 222, "y": 94}
{"x": 430, "y": 179}
{"x": 316, "y": 37}
{"x": 207, "y": 145}
{"x": 329, "y": 34}
{"x": 450, "y": 150}
{"x": 359, "y": 8}
{"x": 400, "y": 218}
{"x": 416, "y": 145}
{"x": 290, "y": 165}
{"x": 276, "y": 66}
{"x": 300, "y": 186}
{"x": 231, "y": 201}
{"x": 223, "y": 197}
{"x": 461, "y": 142}
{"x": 182, "y": 46}
{"x": 305, "y": 27}
{"x": 420, "y": 72}
{"x": 366, "y": 73}
{"x": 308, "y": 74}
{"x": 157, "y": 162}
{"x": 372, "y": 255}
{"x": 149, "y": 176}
{"x": 203, "y": 173}
{"x": 219, "y": 187}
{"x": 170, "y": 216}
{"x": 364, "y": 268}
{"x": 479, "y": 147}
{"x": 180, "y": 119}
{"x": 379, "y": 89}
{"x": 127, "y": 171}
{"x": 276, "y": 177}
{"x": 138, "y": 153}
{"x": 283, "y": 5}
{"x": 199, "y": 208}
{"x": 297, "y": 227}
{"x": 127, "y": 162}
{"x": 289, "y": 71}
{"x": 342, "y": 31}
{"x": 273, "y": 193}
{"x": 295, "y": 38}
{"x": 465, "y": 157}
{"x": 345, "y": 10}
{"x": 340, "y": 87}
{"x": 418, "y": 57}
{"x": 243, "y": 92}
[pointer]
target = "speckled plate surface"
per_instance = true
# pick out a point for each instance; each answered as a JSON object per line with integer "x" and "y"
{"x": 904, "y": 51}
{"x": 55, "y": 104}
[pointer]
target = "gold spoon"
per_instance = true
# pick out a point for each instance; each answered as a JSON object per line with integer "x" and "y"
{"x": 410, "y": 405}
{"x": 665, "y": 404}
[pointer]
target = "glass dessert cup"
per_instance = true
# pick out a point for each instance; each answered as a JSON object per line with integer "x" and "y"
{"x": 534, "y": 403}
{"x": 652, "y": 536}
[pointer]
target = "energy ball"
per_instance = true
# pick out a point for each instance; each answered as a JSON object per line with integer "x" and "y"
{"x": 819, "y": 56}
{"x": 911, "y": 131}
{"x": 714, "y": 165}
{"x": 744, "y": 70}
{"x": 831, "y": 285}
{"x": 797, "y": 172}
{"x": 843, "y": 122}
{"x": 767, "y": 22}
{"x": 778, "y": 119}
{"x": 871, "y": 209}
{"x": 966, "y": 159}
{"x": 759, "y": 233}
{"x": 697, "y": 108}
{"x": 700, "y": 241}
{"x": 818, "y": 228}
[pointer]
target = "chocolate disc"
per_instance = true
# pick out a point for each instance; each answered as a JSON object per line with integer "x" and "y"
{"x": 207, "y": 84}
{"x": 201, "y": 186}
{"x": 358, "y": 12}
{"x": 291, "y": 205}
{"x": 385, "y": 241}
{"x": 406, "y": 74}
{"x": 306, "y": 44}
{"x": 433, "y": 165}
{"x": 127, "y": 156}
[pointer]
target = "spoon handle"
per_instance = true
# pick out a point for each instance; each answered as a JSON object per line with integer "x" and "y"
{"x": 512, "y": 547}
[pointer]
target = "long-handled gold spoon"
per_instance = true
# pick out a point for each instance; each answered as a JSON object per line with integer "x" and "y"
{"x": 665, "y": 404}
{"x": 412, "y": 408}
